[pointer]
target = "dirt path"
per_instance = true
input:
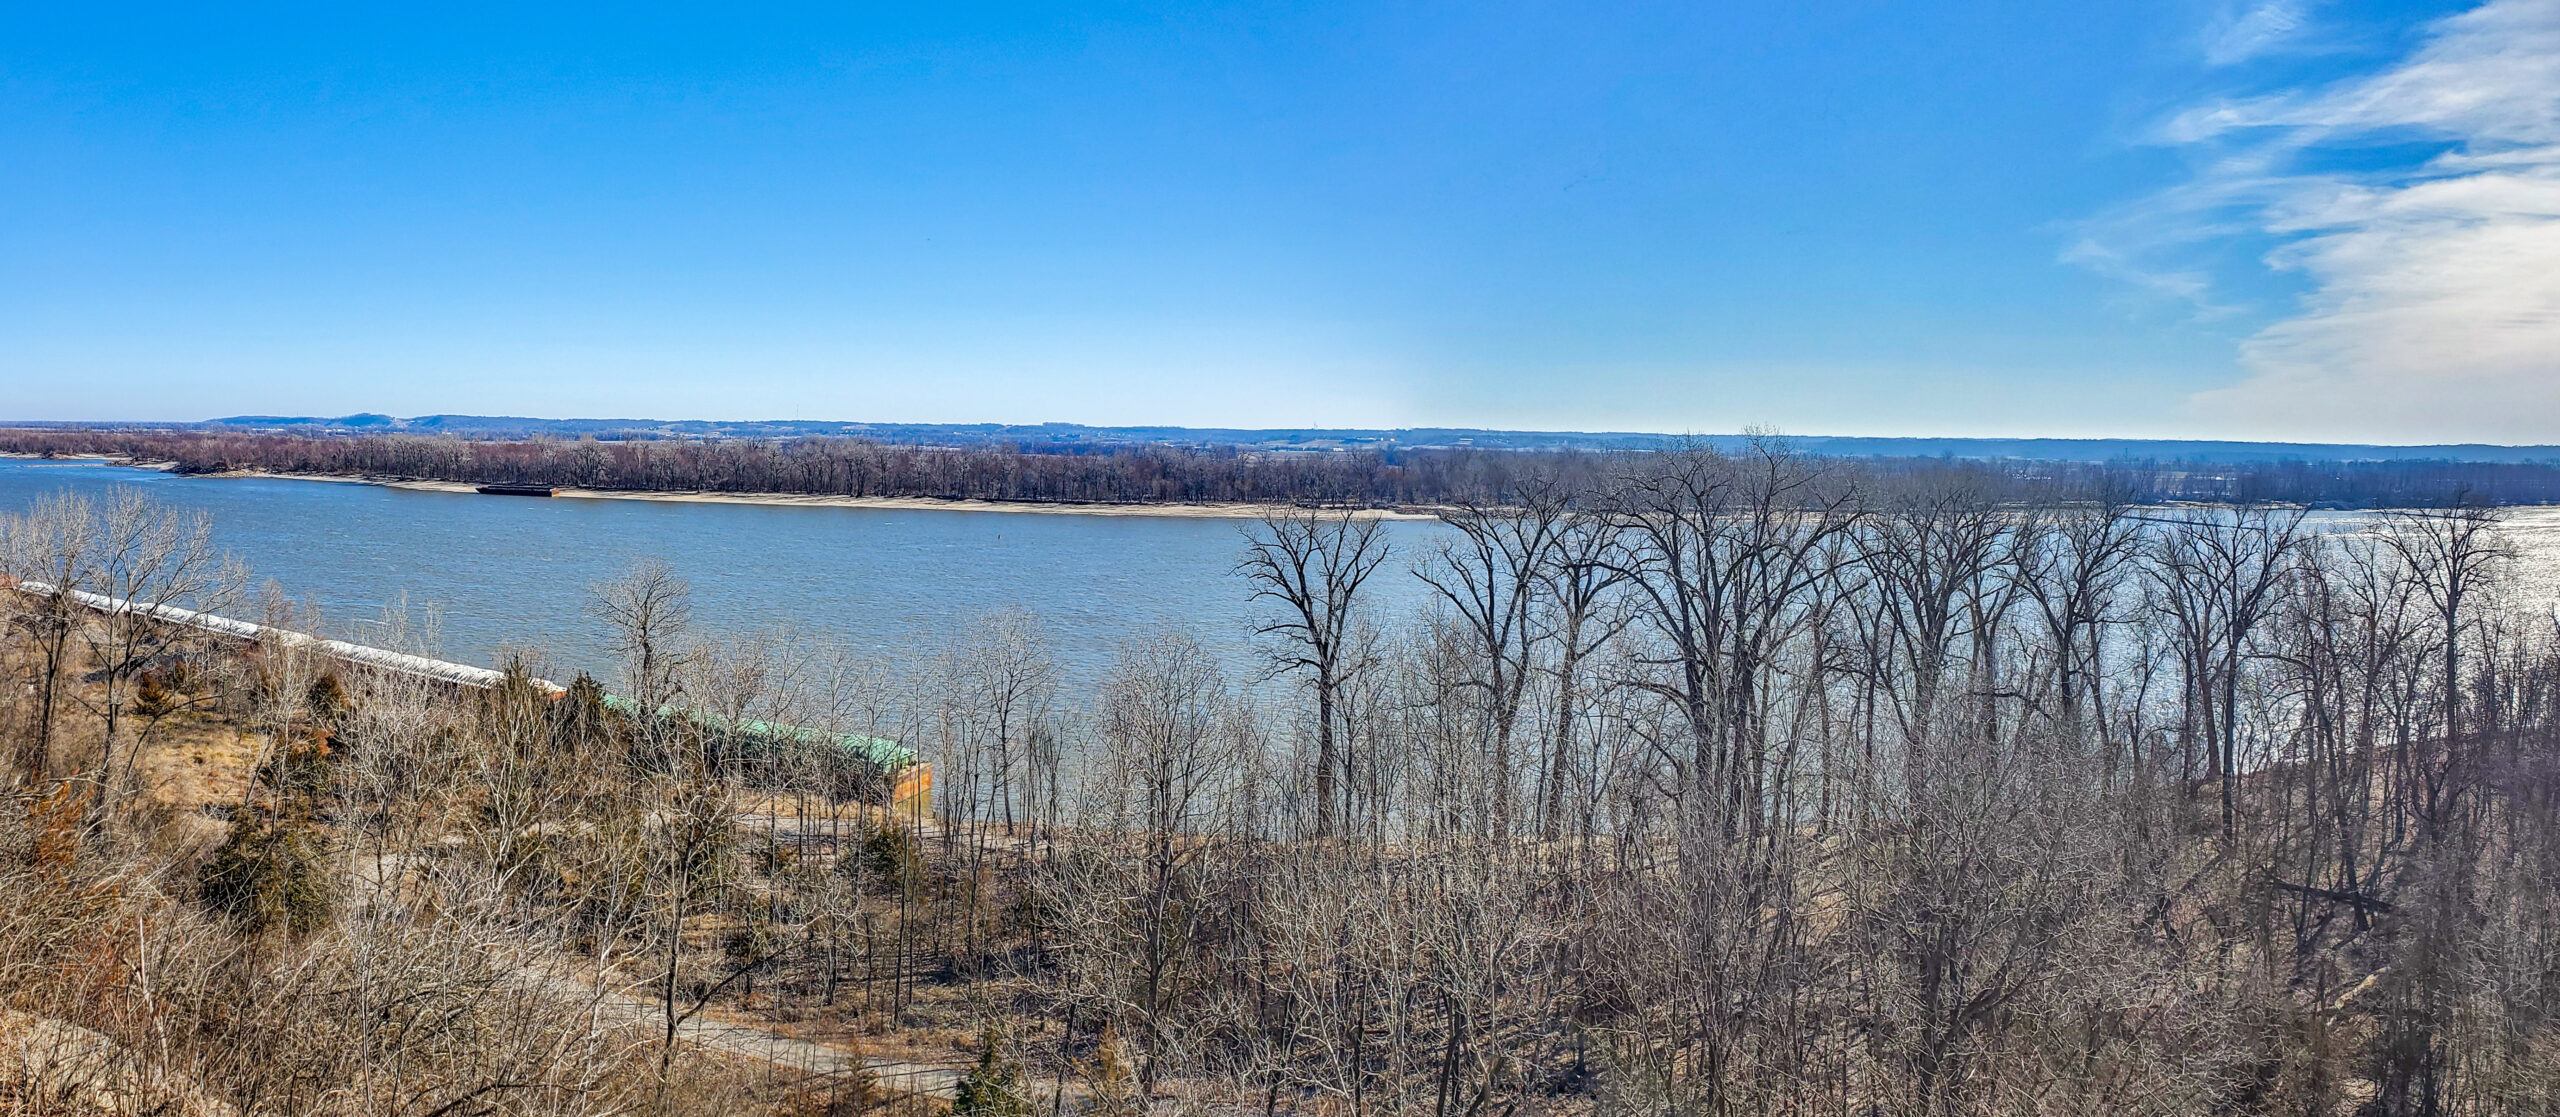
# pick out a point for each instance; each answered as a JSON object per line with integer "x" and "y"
{"x": 624, "y": 1008}
{"x": 802, "y": 1055}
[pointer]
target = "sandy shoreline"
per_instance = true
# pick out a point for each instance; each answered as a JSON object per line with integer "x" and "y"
{"x": 795, "y": 500}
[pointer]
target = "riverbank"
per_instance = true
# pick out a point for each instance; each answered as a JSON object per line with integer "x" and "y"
{"x": 821, "y": 500}
{"x": 117, "y": 460}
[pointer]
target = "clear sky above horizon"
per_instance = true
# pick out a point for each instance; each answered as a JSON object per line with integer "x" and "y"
{"x": 2187, "y": 218}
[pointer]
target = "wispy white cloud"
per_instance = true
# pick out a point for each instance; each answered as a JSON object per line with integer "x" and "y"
{"x": 2192, "y": 286}
{"x": 2432, "y": 307}
{"x": 2242, "y": 32}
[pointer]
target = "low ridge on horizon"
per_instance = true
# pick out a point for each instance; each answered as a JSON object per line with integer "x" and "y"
{"x": 1066, "y": 435}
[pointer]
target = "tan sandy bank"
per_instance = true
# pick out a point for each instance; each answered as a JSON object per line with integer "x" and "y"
{"x": 1193, "y": 511}
{"x": 71, "y": 459}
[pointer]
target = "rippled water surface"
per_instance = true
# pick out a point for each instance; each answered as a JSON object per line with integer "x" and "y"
{"x": 514, "y": 572}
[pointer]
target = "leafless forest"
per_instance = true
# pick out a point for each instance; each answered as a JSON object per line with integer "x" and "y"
{"x": 1711, "y": 784}
{"x": 1158, "y": 474}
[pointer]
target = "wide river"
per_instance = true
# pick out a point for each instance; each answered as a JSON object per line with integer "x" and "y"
{"x": 514, "y": 573}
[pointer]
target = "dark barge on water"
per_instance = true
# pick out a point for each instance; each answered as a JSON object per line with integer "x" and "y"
{"x": 515, "y": 490}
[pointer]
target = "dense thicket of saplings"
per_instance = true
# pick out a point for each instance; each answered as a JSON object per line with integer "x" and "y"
{"x": 1716, "y": 784}
{"x": 1177, "y": 474}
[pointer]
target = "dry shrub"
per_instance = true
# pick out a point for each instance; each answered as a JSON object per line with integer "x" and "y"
{"x": 446, "y": 1012}
{"x": 53, "y": 828}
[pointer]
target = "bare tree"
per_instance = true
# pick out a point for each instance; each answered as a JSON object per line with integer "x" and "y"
{"x": 51, "y": 545}
{"x": 1734, "y": 561}
{"x": 146, "y": 559}
{"x": 1581, "y": 578}
{"x": 1311, "y": 566}
{"x": 651, "y": 612}
{"x": 2074, "y": 570}
{"x": 1171, "y": 753}
{"x": 2220, "y": 573}
{"x": 1937, "y": 556}
{"x": 2452, "y": 553}
{"x": 1492, "y": 574}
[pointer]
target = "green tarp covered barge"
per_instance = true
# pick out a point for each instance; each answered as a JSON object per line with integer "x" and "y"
{"x": 908, "y": 781}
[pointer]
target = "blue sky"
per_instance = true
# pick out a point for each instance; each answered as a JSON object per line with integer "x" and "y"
{"x": 2269, "y": 219}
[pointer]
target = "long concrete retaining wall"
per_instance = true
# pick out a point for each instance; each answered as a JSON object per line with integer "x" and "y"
{"x": 459, "y": 674}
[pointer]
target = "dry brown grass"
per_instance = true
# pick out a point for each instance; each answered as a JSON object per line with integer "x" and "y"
{"x": 193, "y": 760}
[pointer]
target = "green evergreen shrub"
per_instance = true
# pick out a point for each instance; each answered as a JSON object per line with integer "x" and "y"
{"x": 270, "y": 875}
{"x": 993, "y": 1088}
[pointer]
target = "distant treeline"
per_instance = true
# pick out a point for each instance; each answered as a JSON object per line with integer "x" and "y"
{"x": 835, "y": 466}
{"x": 1142, "y": 474}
